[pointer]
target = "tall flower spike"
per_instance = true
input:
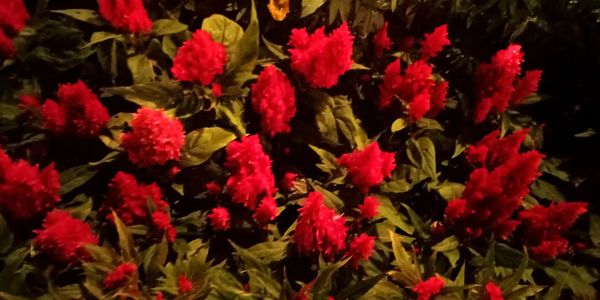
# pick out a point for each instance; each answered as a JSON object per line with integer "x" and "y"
{"x": 427, "y": 289}
{"x": 200, "y": 59}
{"x": 127, "y": 15}
{"x": 274, "y": 98}
{"x": 368, "y": 167}
{"x": 361, "y": 248}
{"x": 219, "y": 218}
{"x": 381, "y": 40}
{"x": 13, "y": 16}
{"x": 434, "y": 42}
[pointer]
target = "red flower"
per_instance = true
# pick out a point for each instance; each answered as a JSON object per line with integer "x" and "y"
{"x": 7, "y": 47}
{"x": 154, "y": 138}
{"x": 428, "y": 288}
{"x": 162, "y": 221}
{"x": 219, "y": 218}
{"x": 368, "y": 209}
{"x": 321, "y": 59}
{"x": 361, "y": 248}
{"x": 199, "y": 59}
{"x": 127, "y": 15}
{"x": 492, "y": 292}
{"x": 217, "y": 90}
{"x": 78, "y": 111}
{"x": 287, "y": 183}
{"x": 184, "y": 284}
{"x": 438, "y": 98}
{"x": 274, "y": 98}
{"x": 159, "y": 296}
{"x": 29, "y": 101}
{"x": 434, "y": 42}
{"x": 213, "y": 188}
{"x": 266, "y": 211}
{"x": 381, "y": 40}
{"x": 119, "y": 275}
{"x": 491, "y": 152}
{"x": 392, "y": 81}
{"x": 64, "y": 237}
{"x": 130, "y": 199}
{"x": 13, "y": 16}
{"x": 542, "y": 227}
{"x": 251, "y": 176}
{"x": 419, "y": 106}
{"x": 368, "y": 167}
{"x": 526, "y": 85}
{"x": 25, "y": 191}
{"x": 319, "y": 228}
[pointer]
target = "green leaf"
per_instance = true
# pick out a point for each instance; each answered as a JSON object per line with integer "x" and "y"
{"x": 167, "y": 26}
{"x": 277, "y": 50}
{"x": 322, "y": 286}
{"x": 9, "y": 112}
{"x": 233, "y": 112}
{"x": 511, "y": 282}
{"x": 154, "y": 259}
{"x": 270, "y": 251}
{"x": 80, "y": 207}
{"x": 169, "y": 47}
{"x": 450, "y": 190}
{"x": 360, "y": 288}
{"x": 200, "y": 144}
{"x": 330, "y": 199}
{"x": 384, "y": 290}
{"x": 396, "y": 186}
{"x": 595, "y": 229}
{"x": 582, "y": 289}
{"x": 429, "y": 124}
{"x": 6, "y": 236}
{"x": 428, "y": 154}
{"x": 75, "y": 177}
{"x": 250, "y": 260}
{"x": 406, "y": 272}
{"x": 223, "y": 30}
{"x": 546, "y": 190}
{"x": 125, "y": 239}
{"x": 310, "y": 6}
{"x": 85, "y": 15}
{"x": 399, "y": 124}
{"x": 149, "y": 94}
{"x": 449, "y": 247}
{"x": 101, "y": 36}
{"x": 141, "y": 69}
{"x": 396, "y": 218}
{"x": 328, "y": 162}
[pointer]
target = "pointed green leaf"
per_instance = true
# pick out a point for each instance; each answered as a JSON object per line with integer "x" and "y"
{"x": 200, "y": 144}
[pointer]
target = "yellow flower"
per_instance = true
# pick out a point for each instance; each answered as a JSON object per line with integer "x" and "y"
{"x": 279, "y": 9}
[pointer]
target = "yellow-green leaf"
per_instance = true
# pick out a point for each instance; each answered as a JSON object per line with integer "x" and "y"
{"x": 167, "y": 26}
{"x": 200, "y": 144}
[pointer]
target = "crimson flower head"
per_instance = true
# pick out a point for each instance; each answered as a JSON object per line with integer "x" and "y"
{"x": 319, "y": 228}
{"x": 543, "y": 226}
{"x": 213, "y": 188}
{"x": 251, "y": 175}
{"x": 199, "y": 59}
{"x": 361, "y": 248}
{"x": 162, "y": 221}
{"x": 154, "y": 139}
{"x": 184, "y": 284}
{"x": 266, "y": 210}
{"x": 438, "y": 98}
{"x": 25, "y": 190}
{"x": 493, "y": 292}
{"x": 13, "y": 16}
{"x": 64, "y": 238}
{"x": 368, "y": 167}
{"x": 492, "y": 151}
{"x": 427, "y": 289}
{"x": 287, "y": 183}
{"x": 126, "y": 15}
{"x": 381, "y": 40}
{"x": 7, "y": 47}
{"x": 219, "y": 218}
{"x": 368, "y": 209}
{"x": 77, "y": 111}
{"x": 29, "y": 101}
{"x": 321, "y": 58}
{"x": 526, "y": 86}
{"x": 274, "y": 98}
{"x": 120, "y": 275}
{"x": 434, "y": 42}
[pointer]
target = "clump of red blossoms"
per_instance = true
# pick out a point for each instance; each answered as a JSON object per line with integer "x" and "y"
{"x": 287, "y": 183}
{"x": 368, "y": 209}
{"x": 162, "y": 221}
{"x": 154, "y": 139}
{"x": 319, "y": 228}
{"x": 321, "y": 58}
{"x": 266, "y": 210}
{"x": 77, "y": 112}
{"x": 434, "y": 42}
{"x": 491, "y": 151}
{"x": 184, "y": 284}
{"x": 120, "y": 275}
{"x": 381, "y": 40}
{"x": 251, "y": 175}
{"x": 274, "y": 98}
{"x": 493, "y": 292}
{"x": 7, "y": 47}
{"x": 64, "y": 237}
{"x": 199, "y": 59}
{"x": 361, "y": 248}
{"x": 492, "y": 195}
{"x": 219, "y": 218}
{"x": 25, "y": 191}
{"x": 13, "y": 16}
{"x": 428, "y": 288}
{"x": 127, "y": 15}
{"x": 543, "y": 226}
{"x": 29, "y": 101}
{"x": 438, "y": 98}
{"x": 498, "y": 84}
{"x": 213, "y": 188}
{"x": 368, "y": 167}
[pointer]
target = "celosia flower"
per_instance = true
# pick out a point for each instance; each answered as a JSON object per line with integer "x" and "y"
{"x": 13, "y": 16}
{"x": 199, "y": 59}
{"x": 159, "y": 296}
{"x": 29, "y": 101}
{"x": 130, "y": 199}
{"x": 368, "y": 167}
{"x": 25, "y": 191}
{"x": 219, "y": 218}
{"x": 154, "y": 139}
{"x": 274, "y": 99}
{"x": 120, "y": 275}
{"x": 251, "y": 175}
{"x": 287, "y": 183}
{"x": 162, "y": 221}
{"x": 266, "y": 211}
{"x": 7, "y": 47}
{"x": 381, "y": 40}
{"x": 217, "y": 90}
{"x": 184, "y": 284}
{"x": 319, "y": 228}
{"x": 64, "y": 238}
{"x": 419, "y": 106}
{"x": 434, "y": 42}
{"x": 321, "y": 58}
{"x": 526, "y": 86}
{"x": 438, "y": 98}
{"x": 543, "y": 226}
{"x": 127, "y": 15}
{"x": 428, "y": 288}
{"x": 78, "y": 108}
{"x": 493, "y": 292}
{"x": 491, "y": 151}
{"x": 361, "y": 248}
{"x": 368, "y": 209}
{"x": 213, "y": 188}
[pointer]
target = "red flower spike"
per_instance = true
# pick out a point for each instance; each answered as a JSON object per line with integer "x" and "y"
{"x": 427, "y": 289}
{"x": 119, "y": 275}
{"x": 126, "y": 15}
{"x": 526, "y": 86}
{"x": 184, "y": 284}
{"x": 434, "y": 42}
{"x": 493, "y": 292}
{"x": 368, "y": 167}
{"x": 7, "y": 47}
{"x": 13, "y": 16}
{"x": 368, "y": 209}
{"x": 213, "y": 188}
{"x": 381, "y": 40}
{"x": 200, "y": 59}
{"x": 219, "y": 218}
{"x": 438, "y": 98}
{"x": 162, "y": 221}
{"x": 361, "y": 248}
{"x": 274, "y": 99}
{"x": 266, "y": 211}
{"x": 287, "y": 183}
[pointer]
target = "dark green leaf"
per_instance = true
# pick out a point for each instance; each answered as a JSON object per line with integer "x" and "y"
{"x": 360, "y": 288}
{"x": 310, "y": 6}
{"x": 84, "y": 15}
{"x": 6, "y": 236}
{"x": 75, "y": 177}
{"x": 322, "y": 286}
{"x": 200, "y": 144}
{"x": 167, "y": 26}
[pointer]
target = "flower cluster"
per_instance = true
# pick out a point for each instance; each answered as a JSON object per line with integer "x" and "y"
{"x": 127, "y": 15}
{"x": 162, "y": 221}
{"x": 491, "y": 151}
{"x": 77, "y": 112}
{"x": 368, "y": 209}
{"x": 361, "y": 248}
{"x": 266, "y": 210}
{"x": 498, "y": 84}
{"x": 381, "y": 40}
{"x": 25, "y": 191}
{"x": 219, "y": 218}
{"x": 321, "y": 58}
{"x": 13, "y": 16}
{"x": 119, "y": 275}
{"x": 64, "y": 238}
{"x": 491, "y": 196}
{"x": 319, "y": 228}
{"x": 493, "y": 292}
{"x": 273, "y": 97}
{"x": 184, "y": 284}
{"x": 427, "y": 289}
{"x": 154, "y": 139}
{"x": 199, "y": 59}
{"x": 368, "y": 167}
{"x": 434, "y": 42}
{"x": 7, "y": 48}
{"x": 543, "y": 226}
